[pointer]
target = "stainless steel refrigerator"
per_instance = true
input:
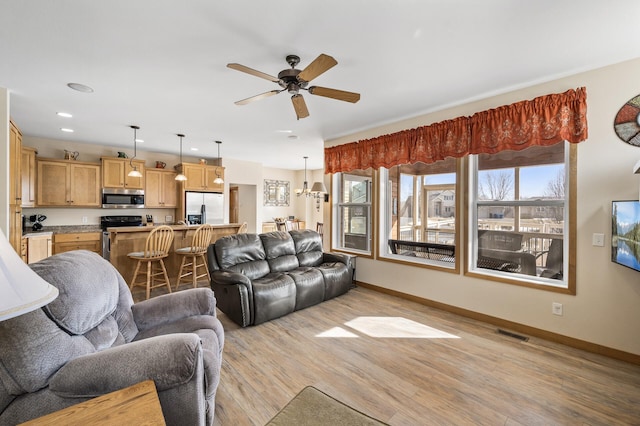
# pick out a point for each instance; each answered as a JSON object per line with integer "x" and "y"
{"x": 204, "y": 207}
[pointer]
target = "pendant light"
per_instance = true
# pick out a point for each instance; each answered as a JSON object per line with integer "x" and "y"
{"x": 218, "y": 180}
{"x": 180, "y": 176}
{"x": 134, "y": 169}
{"x": 305, "y": 187}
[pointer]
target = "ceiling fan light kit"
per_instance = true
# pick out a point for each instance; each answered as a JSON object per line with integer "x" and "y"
{"x": 294, "y": 80}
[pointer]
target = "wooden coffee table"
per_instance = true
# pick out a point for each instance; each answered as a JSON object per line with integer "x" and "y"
{"x": 135, "y": 405}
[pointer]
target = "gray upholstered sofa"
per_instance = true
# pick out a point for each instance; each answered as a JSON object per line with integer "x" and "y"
{"x": 93, "y": 339}
{"x": 259, "y": 277}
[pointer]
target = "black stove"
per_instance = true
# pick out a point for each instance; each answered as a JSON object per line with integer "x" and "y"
{"x": 112, "y": 222}
{"x": 118, "y": 221}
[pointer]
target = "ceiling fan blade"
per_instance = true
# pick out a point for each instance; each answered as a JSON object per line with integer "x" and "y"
{"x": 340, "y": 95}
{"x": 319, "y": 65}
{"x": 257, "y": 97}
{"x": 251, "y": 71}
{"x": 300, "y": 106}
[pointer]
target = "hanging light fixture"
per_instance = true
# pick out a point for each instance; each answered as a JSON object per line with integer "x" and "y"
{"x": 134, "y": 169}
{"x": 180, "y": 176}
{"x": 218, "y": 180}
{"x": 305, "y": 187}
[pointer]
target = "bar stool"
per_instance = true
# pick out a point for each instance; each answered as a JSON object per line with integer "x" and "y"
{"x": 156, "y": 248}
{"x": 194, "y": 253}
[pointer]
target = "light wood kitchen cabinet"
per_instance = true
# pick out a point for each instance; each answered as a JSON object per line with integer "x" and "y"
{"x": 15, "y": 187}
{"x": 38, "y": 247}
{"x": 77, "y": 241}
{"x": 28, "y": 172}
{"x": 68, "y": 183}
{"x": 200, "y": 177}
{"x": 161, "y": 189}
{"x": 115, "y": 173}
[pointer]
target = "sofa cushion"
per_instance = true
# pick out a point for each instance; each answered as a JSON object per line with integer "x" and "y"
{"x": 274, "y": 295}
{"x": 280, "y": 251}
{"x": 337, "y": 279}
{"x": 242, "y": 253}
{"x": 88, "y": 287}
{"x": 308, "y": 247}
{"x": 309, "y": 286}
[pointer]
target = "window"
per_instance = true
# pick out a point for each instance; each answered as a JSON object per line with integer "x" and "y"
{"x": 519, "y": 214}
{"x": 352, "y": 211}
{"x": 418, "y": 204}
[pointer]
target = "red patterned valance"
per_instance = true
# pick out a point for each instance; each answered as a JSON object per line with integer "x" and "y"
{"x": 542, "y": 121}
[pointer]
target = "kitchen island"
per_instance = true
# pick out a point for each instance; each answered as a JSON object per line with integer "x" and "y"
{"x": 128, "y": 239}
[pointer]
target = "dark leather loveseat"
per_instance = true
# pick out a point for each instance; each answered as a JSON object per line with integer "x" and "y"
{"x": 259, "y": 277}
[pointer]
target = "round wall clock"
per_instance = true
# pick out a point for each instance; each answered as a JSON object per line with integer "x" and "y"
{"x": 627, "y": 122}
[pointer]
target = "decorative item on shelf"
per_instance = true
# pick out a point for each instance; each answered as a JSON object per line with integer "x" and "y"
{"x": 22, "y": 289}
{"x": 180, "y": 176}
{"x": 71, "y": 155}
{"x": 160, "y": 164}
{"x": 122, "y": 154}
{"x": 203, "y": 161}
{"x": 134, "y": 169}
{"x": 218, "y": 180}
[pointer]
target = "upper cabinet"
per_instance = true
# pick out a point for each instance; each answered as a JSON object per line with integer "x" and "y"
{"x": 68, "y": 183}
{"x": 200, "y": 177}
{"x": 28, "y": 172}
{"x": 115, "y": 173}
{"x": 161, "y": 189}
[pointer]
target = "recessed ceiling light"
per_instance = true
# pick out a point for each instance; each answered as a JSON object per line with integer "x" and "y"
{"x": 284, "y": 131}
{"x": 139, "y": 140}
{"x": 64, "y": 129}
{"x": 194, "y": 149}
{"x": 292, "y": 136}
{"x": 80, "y": 87}
{"x": 64, "y": 114}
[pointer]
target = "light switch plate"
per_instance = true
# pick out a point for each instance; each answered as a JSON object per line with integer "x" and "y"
{"x": 598, "y": 240}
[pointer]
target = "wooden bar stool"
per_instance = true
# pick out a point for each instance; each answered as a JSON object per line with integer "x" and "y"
{"x": 195, "y": 256}
{"x": 156, "y": 248}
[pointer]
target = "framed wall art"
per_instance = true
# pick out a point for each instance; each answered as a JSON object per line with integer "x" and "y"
{"x": 276, "y": 192}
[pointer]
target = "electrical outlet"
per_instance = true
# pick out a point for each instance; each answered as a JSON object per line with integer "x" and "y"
{"x": 556, "y": 308}
{"x": 84, "y": 219}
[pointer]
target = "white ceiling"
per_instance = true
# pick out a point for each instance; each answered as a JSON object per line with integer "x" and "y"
{"x": 161, "y": 64}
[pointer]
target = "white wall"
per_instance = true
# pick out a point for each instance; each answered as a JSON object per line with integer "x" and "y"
{"x": 606, "y": 308}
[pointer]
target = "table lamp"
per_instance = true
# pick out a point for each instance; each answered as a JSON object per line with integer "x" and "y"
{"x": 21, "y": 289}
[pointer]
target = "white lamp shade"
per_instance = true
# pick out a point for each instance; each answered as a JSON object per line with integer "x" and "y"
{"x": 21, "y": 289}
{"x": 318, "y": 187}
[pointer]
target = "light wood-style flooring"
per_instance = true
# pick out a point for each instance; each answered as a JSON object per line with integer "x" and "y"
{"x": 408, "y": 364}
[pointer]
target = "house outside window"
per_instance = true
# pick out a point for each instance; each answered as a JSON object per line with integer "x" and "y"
{"x": 519, "y": 214}
{"x": 352, "y": 211}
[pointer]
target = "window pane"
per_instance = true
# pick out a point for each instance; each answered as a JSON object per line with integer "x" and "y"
{"x": 420, "y": 216}
{"x": 520, "y": 201}
{"x": 353, "y": 210}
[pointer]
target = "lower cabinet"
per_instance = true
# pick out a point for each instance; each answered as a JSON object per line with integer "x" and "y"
{"x": 36, "y": 247}
{"x": 77, "y": 241}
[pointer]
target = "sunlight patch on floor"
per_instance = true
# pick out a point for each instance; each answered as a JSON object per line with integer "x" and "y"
{"x": 396, "y": 327}
{"x": 337, "y": 332}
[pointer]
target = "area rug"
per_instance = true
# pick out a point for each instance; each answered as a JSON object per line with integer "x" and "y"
{"x": 312, "y": 407}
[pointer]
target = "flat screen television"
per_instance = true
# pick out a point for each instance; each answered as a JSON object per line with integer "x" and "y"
{"x": 625, "y": 233}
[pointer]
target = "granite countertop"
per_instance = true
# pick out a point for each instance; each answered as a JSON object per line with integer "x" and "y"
{"x": 70, "y": 229}
{"x": 31, "y": 234}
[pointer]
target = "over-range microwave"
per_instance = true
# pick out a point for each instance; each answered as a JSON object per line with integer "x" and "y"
{"x": 118, "y": 198}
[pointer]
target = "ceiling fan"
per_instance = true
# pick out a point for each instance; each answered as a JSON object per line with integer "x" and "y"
{"x": 293, "y": 80}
